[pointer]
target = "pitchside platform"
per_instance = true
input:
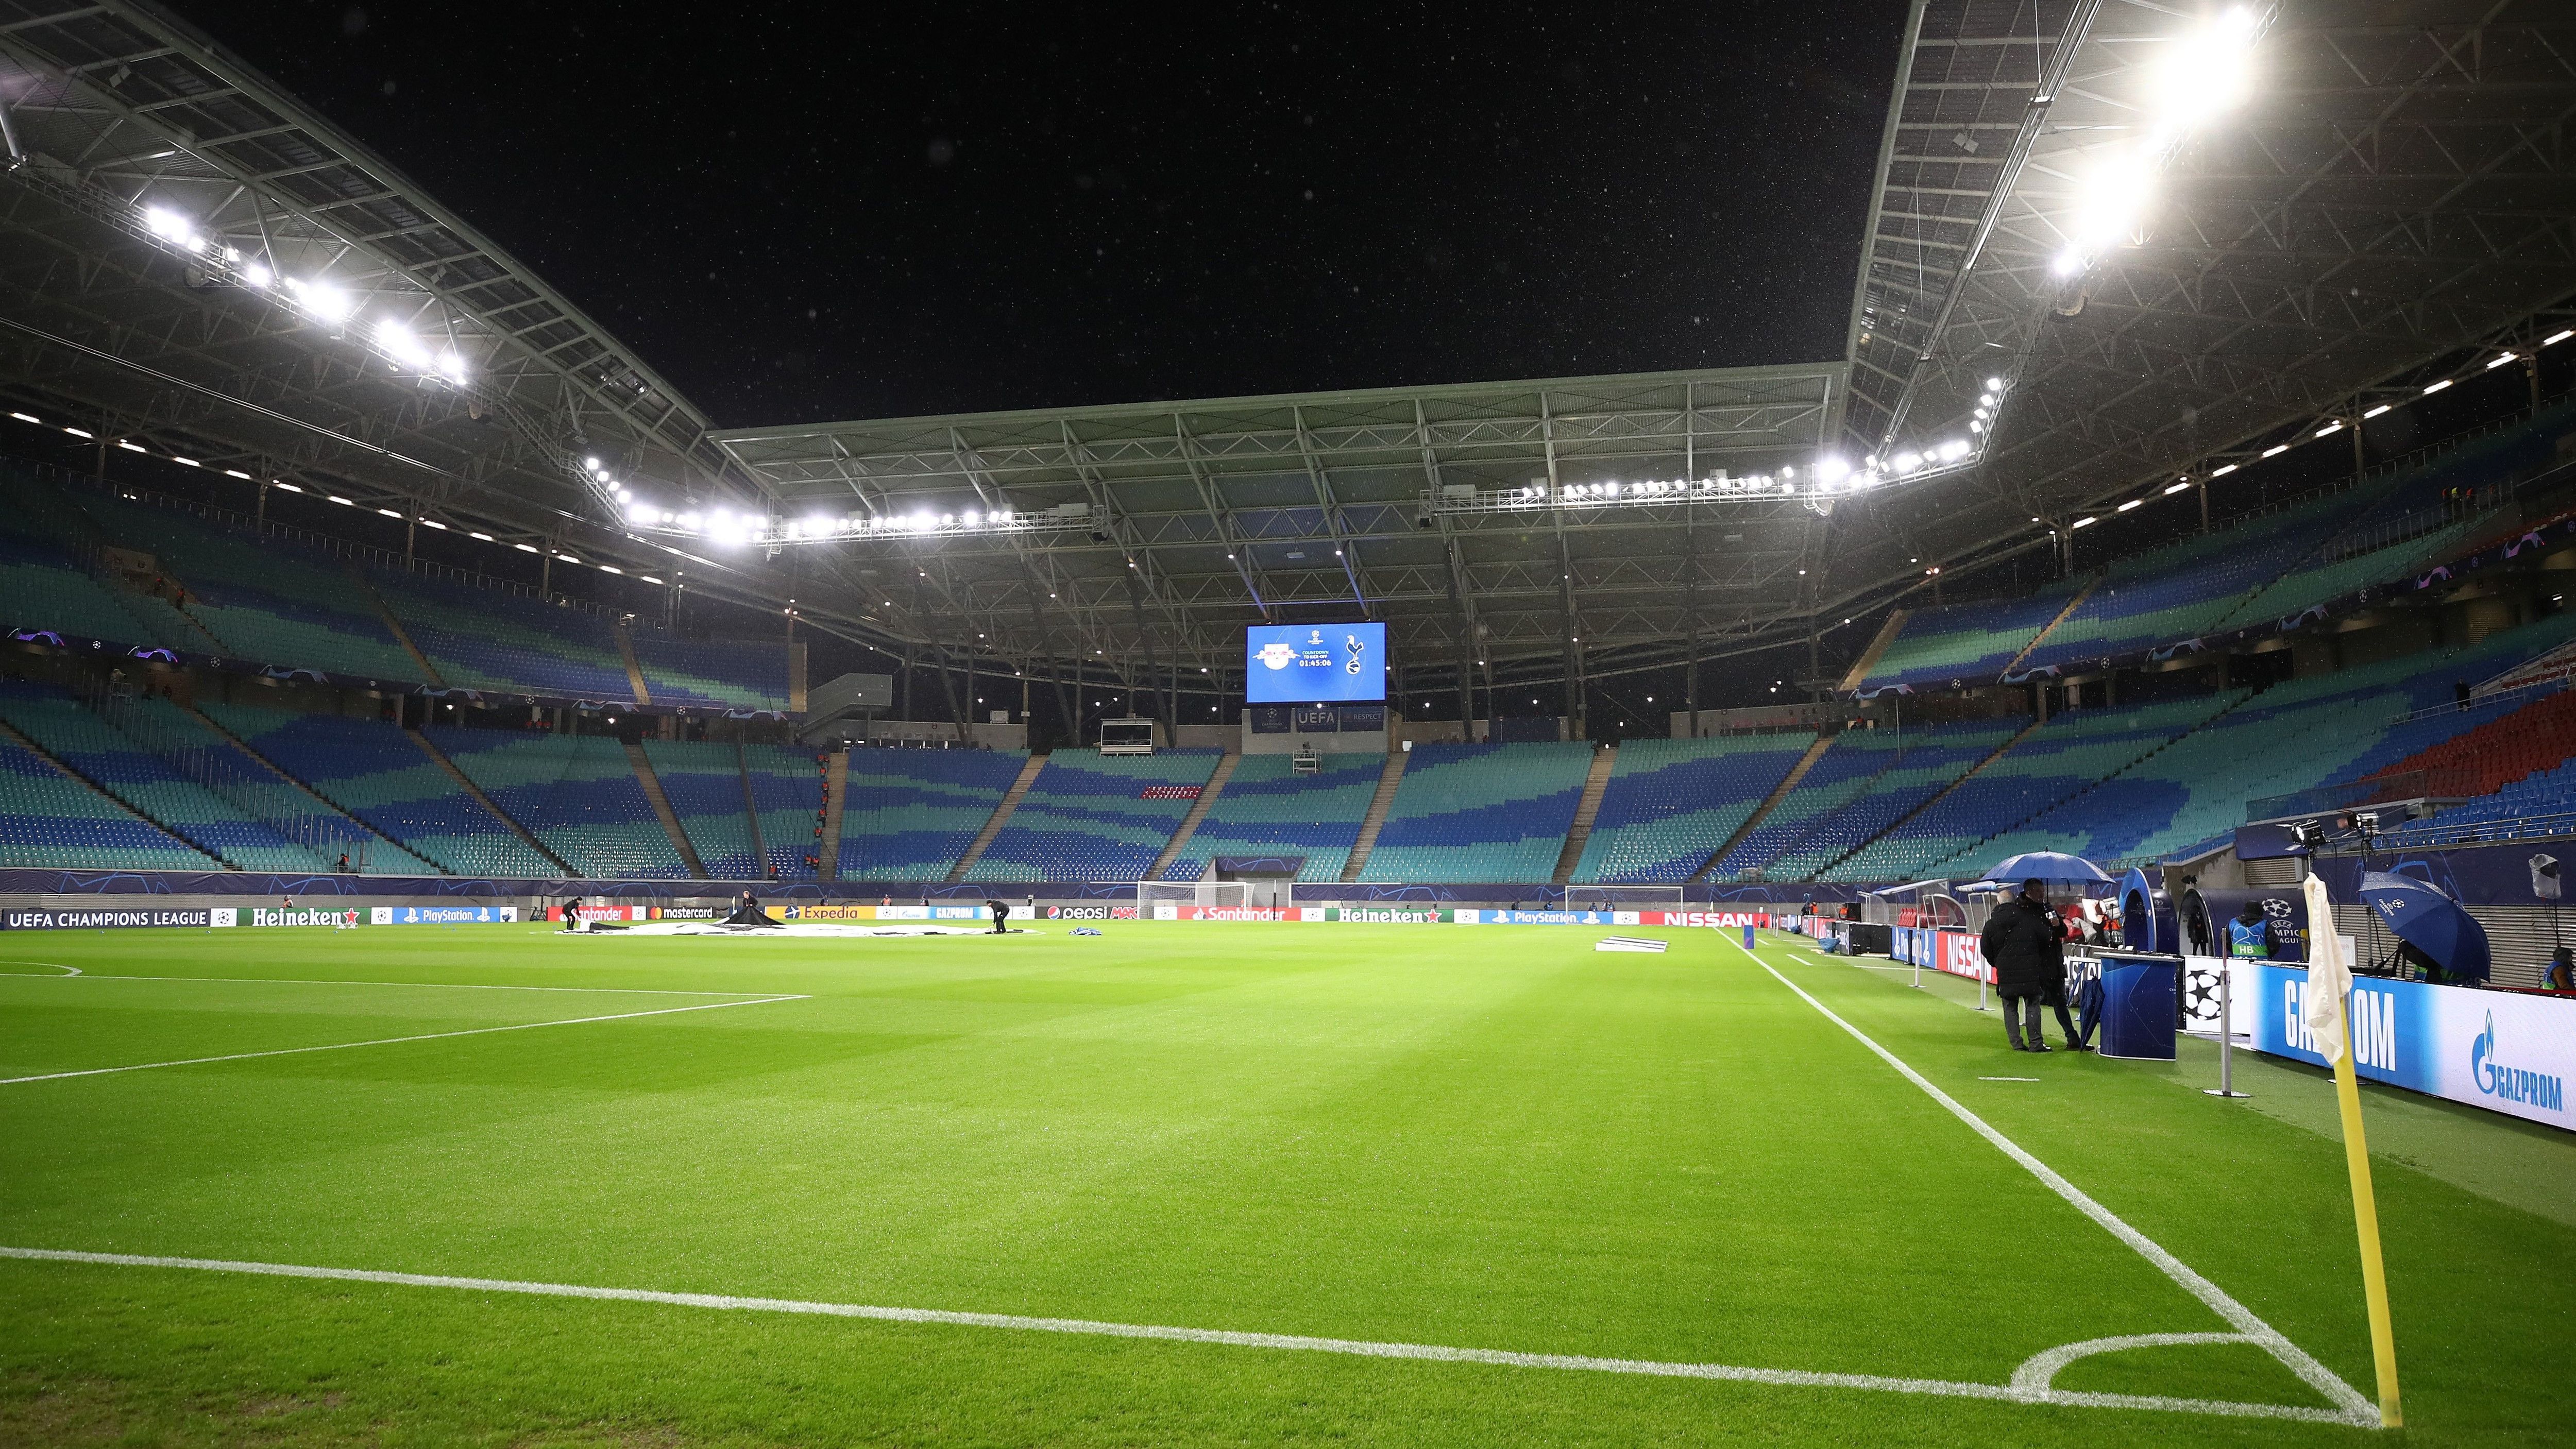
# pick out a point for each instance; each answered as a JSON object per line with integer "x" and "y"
{"x": 1490, "y": 1181}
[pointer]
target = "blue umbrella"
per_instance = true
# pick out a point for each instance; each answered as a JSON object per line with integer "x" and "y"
{"x": 2048, "y": 865}
{"x": 2430, "y": 921}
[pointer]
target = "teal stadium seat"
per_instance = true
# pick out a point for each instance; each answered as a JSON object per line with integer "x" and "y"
{"x": 50, "y": 821}
{"x": 578, "y": 793}
{"x": 79, "y": 737}
{"x": 1270, "y": 809}
{"x": 1481, "y": 813}
{"x": 1087, "y": 818}
{"x": 908, "y": 815}
{"x": 1670, "y": 804}
{"x": 704, "y": 784}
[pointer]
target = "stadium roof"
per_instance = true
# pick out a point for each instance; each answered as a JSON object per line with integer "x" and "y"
{"x": 2386, "y": 196}
{"x": 1192, "y": 519}
{"x": 190, "y": 257}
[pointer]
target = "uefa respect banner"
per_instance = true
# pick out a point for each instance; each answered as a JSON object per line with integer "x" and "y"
{"x": 2503, "y": 1051}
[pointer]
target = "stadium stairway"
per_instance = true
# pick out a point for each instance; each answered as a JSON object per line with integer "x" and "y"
{"x": 1770, "y": 802}
{"x": 73, "y": 796}
{"x": 1586, "y": 810}
{"x": 475, "y": 793}
{"x": 1935, "y": 798}
{"x": 1375, "y": 820}
{"x": 661, "y": 803}
{"x": 1011, "y": 799}
{"x": 1869, "y": 657}
{"x": 634, "y": 668}
{"x": 394, "y": 626}
{"x": 836, "y": 790}
{"x": 2050, "y": 627}
{"x": 1189, "y": 825}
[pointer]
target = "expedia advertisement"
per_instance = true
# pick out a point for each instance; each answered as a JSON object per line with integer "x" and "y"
{"x": 112, "y": 920}
{"x": 826, "y": 912}
{"x": 2498, "y": 1050}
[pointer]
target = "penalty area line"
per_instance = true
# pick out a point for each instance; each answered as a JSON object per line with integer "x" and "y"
{"x": 2029, "y": 1387}
{"x": 2353, "y": 1408}
{"x": 341, "y": 1046}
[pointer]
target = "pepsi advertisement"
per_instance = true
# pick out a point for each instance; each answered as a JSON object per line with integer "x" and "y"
{"x": 1314, "y": 663}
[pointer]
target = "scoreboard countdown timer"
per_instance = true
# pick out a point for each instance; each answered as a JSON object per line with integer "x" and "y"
{"x": 1314, "y": 663}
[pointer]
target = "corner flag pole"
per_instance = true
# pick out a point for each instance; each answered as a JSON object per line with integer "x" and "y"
{"x": 2326, "y": 1015}
{"x": 2365, "y": 1218}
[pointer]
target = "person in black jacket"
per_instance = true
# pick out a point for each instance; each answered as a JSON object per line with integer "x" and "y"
{"x": 2026, "y": 947}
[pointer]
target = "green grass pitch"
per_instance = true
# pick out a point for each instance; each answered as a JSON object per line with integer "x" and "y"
{"x": 1490, "y": 1139}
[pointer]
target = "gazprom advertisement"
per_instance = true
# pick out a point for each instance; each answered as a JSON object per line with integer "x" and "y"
{"x": 1314, "y": 663}
{"x": 2500, "y": 1050}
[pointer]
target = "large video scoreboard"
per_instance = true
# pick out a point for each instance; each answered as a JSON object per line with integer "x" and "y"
{"x": 1314, "y": 663}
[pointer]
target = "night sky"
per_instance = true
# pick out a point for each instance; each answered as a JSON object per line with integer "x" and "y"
{"x": 810, "y": 212}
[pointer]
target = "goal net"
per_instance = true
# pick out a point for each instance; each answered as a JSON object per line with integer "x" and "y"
{"x": 1152, "y": 893}
{"x": 1624, "y": 898}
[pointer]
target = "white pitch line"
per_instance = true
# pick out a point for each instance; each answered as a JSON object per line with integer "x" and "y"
{"x": 2355, "y": 1408}
{"x": 342, "y": 1046}
{"x": 309, "y": 981}
{"x": 2024, "y": 1393}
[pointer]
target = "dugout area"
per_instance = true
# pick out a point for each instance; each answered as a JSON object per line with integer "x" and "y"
{"x": 1379, "y": 1183}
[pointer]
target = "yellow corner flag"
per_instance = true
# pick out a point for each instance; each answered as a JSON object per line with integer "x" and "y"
{"x": 2329, "y": 978}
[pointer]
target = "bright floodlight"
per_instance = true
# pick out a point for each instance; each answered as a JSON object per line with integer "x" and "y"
{"x": 324, "y": 301}
{"x": 399, "y": 343}
{"x": 1954, "y": 449}
{"x": 452, "y": 367}
{"x": 1906, "y": 462}
{"x": 170, "y": 226}
{"x": 257, "y": 274}
{"x": 2068, "y": 263}
{"x": 1832, "y": 468}
{"x": 1994, "y": 384}
{"x": 2205, "y": 72}
{"x": 2108, "y": 200}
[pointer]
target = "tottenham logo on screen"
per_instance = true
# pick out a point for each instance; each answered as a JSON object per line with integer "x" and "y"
{"x": 1355, "y": 646}
{"x": 2513, "y": 1084}
{"x": 1277, "y": 655}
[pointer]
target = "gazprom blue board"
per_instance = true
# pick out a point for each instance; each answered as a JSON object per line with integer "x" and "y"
{"x": 1314, "y": 663}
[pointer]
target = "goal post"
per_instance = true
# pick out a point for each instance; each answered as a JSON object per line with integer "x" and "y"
{"x": 1625, "y": 898}
{"x": 1152, "y": 893}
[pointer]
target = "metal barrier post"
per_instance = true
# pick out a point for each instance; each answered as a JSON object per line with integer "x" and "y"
{"x": 2226, "y": 1033}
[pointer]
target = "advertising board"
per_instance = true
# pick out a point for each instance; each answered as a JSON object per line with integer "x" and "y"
{"x": 2505, "y": 1051}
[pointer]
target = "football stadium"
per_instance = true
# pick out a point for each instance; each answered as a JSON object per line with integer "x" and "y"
{"x": 1485, "y": 912}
